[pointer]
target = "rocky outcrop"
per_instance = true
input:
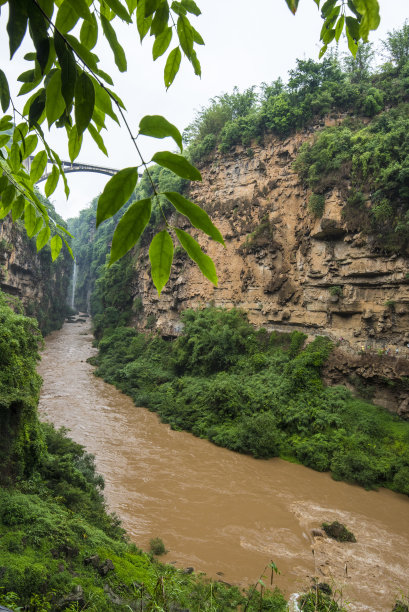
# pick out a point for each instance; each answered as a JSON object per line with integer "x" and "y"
{"x": 40, "y": 284}
{"x": 285, "y": 268}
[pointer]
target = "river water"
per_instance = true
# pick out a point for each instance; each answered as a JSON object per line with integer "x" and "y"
{"x": 220, "y": 512}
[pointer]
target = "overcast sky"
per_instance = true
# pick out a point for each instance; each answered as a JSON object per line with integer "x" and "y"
{"x": 243, "y": 48}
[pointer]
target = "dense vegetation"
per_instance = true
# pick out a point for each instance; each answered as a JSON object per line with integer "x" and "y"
{"x": 257, "y": 393}
{"x": 314, "y": 89}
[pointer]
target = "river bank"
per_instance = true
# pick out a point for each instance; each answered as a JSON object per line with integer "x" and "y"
{"x": 223, "y": 513}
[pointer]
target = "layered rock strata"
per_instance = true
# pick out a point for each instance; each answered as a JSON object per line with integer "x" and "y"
{"x": 285, "y": 268}
{"x": 32, "y": 277}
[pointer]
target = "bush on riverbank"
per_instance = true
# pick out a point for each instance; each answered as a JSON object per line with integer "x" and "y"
{"x": 257, "y": 393}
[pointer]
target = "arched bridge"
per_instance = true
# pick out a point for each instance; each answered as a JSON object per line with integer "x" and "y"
{"x": 68, "y": 166}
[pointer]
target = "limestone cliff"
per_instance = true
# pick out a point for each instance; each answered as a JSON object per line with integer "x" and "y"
{"x": 285, "y": 268}
{"x": 40, "y": 284}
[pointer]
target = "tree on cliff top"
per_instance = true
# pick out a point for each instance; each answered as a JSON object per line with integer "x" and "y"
{"x": 66, "y": 86}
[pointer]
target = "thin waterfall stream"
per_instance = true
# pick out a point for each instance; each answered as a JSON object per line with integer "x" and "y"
{"x": 220, "y": 512}
{"x": 74, "y": 283}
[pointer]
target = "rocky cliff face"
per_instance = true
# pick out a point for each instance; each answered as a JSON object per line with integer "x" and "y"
{"x": 285, "y": 268}
{"x": 40, "y": 284}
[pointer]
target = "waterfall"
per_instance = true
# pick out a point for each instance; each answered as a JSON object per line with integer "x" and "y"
{"x": 74, "y": 282}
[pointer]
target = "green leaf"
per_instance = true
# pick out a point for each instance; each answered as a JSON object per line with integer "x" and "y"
{"x": 129, "y": 229}
{"x": 119, "y": 10}
{"x": 69, "y": 249}
{"x": 4, "y": 210}
{"x": 20, "y": 132}
{"x": 103, "y": 100}
{"x": 4, "y": 92}
{"x": 38, "y": 165}
{"x": 161, "y": 257}
{"x": 57, "y": 160}
{"x": 38, "y": 225}
{"x": 97, "y": 138}
{"x": 117, "y": 50}
{"x": 196, "y": 215}
{"x": 178, "y": 8}
{"x": 339, "y": 27}
{"x": 369, "y": 9}
{"x": 89, "y": 33}
{"x": 178, "y": 164}
{"x": 68, "y": 68}
{"x": 327, "y": 7}
{"x": 17, "y": 24}
{"x": 131, "y": 4}
{"x": 292, "y": 5}
{"x": 18, "y": 207}
{"x": 84, "y": 102}
{"x": 28, "y": 76}
{"x": 39, "y": 34}
{"x": 81, "y": 8}
{"x": 191, "y": 7}
{"x": 4, "y": 138}
{"x": 143, "y": 23}
{"x": 47, "y": 6}
{"x": 104, "y": 76}
{"x": 74, "y": 143}
{"x": 14, "y": 158}
{"x": 67, "y": 17}
{"x": 196, "y": 64}
{"x": 151, "y": 6}
{"x": 64, "y": 229}
{"x": 43, "y": 238}
{"x": 197, "y": 37}
{"x": 36, "y": 108}
{"x": 5, "y": 123}
{"x": 30, "y": 219}
{"x": 160, "y": 21}
{"x": 117, "y": 191}
{"x": 3, "y": 182}
{"x": 52, "y": 181}
{"x": 90, "y": 59}
{"x": 161, "y": 43}
{"x": 159, "y": 127}
{"x": 194, "y": 251}
{"x": 7, "y": 196}
{"x": 56, "y": 245}
{"x": 172, "y": 66}
{"x": 54, "y": 101}
{"x": 185, "y": 34}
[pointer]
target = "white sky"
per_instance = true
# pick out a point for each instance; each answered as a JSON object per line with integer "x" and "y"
{"x": 243, "y": 48}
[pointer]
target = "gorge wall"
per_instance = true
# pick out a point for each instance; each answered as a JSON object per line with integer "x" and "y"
{"x": 289, "y": 270}
{"x": 31, "y": 276}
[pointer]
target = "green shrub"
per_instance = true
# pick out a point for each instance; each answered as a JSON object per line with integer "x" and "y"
{"x": 316, "y": 204}
{"x": 157, "y": 546}
{"x": 335, "y": 290}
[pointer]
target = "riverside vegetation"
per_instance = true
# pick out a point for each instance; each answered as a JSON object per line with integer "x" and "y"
{"x": 258, "y": 393}
{"x": 59, "y": 547}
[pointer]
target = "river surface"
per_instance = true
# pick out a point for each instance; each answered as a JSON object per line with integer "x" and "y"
{"x": 220, "y": 512}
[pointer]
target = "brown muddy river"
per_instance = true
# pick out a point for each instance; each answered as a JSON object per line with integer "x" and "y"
{"x": 220, "y": 512}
